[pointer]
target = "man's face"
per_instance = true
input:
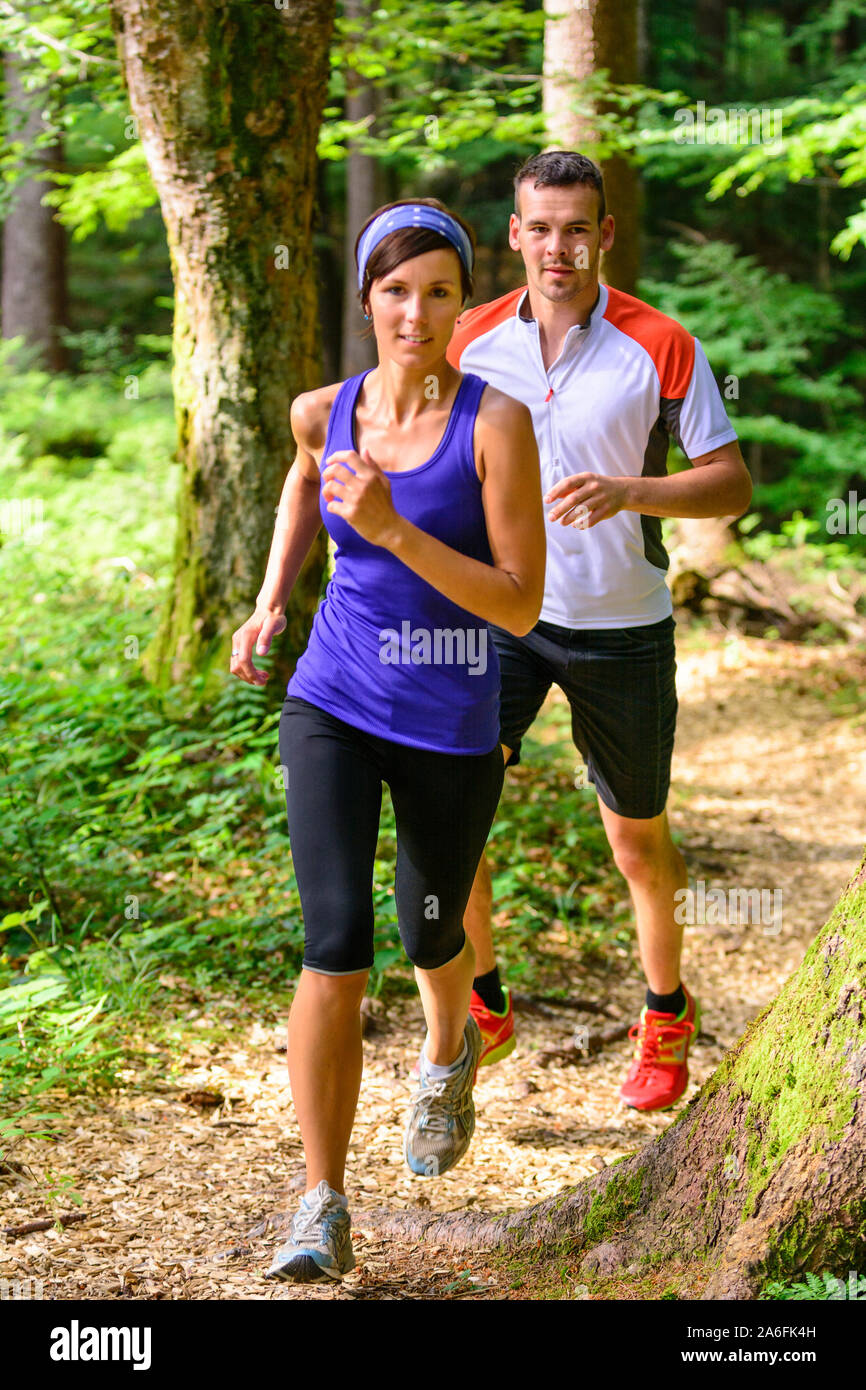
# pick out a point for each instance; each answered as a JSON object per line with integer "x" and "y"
{"x": 560, "y": 239}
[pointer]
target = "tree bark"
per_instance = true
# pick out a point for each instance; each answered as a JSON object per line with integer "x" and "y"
{"x": 711, "y": 31}
{"x": 34, "y": 303}
{"x": 762, "y": 1176}
{"x": 330, "y": 260}
{"x": 364, "y": 193}
{"x": 595, "y": 36}
{"x": 228, "y": 98}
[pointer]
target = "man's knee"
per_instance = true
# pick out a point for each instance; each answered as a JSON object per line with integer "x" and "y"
{"x": 642, "y": 850}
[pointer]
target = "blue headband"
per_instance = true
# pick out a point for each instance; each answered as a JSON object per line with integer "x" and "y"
{"x": 414, "y": 215}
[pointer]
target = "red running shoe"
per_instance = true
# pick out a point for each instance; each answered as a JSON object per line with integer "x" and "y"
{"x": 497, "y": 1030}
{"x": 659, "y": 1073}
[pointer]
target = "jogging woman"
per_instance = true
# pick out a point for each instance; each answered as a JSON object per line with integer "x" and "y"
{"x": 427, "y": 480}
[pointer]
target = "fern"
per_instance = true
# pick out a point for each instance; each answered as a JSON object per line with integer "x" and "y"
{"x": 818, "y": 1286}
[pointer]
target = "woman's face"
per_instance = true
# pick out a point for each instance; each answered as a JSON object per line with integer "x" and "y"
{"x": 415, "y": 306}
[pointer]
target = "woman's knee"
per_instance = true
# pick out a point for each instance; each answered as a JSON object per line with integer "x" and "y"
{"x": 338, "y": 933}
{"x": 334, "y": 993}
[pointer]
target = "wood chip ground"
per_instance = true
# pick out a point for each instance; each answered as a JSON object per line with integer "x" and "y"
{"x": 183, "y": 1195}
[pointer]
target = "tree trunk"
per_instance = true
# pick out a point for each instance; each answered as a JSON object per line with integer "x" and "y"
{"x": 762, "y": 1176}
{"x": 34, "y": 242}
{"x": 592, "y": 36}
{"x": 228, "y": 98}
{"x": 364, "y": 193}
{"x": 330, "y": 262}
{"x": 711, "y": 32}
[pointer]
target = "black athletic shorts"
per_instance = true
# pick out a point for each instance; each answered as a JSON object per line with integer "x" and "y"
{"x": 444, "y": 804}
{"x": 621, "y": 686}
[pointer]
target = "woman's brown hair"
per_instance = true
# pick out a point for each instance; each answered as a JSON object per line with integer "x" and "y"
{"x": 405, "y": 243}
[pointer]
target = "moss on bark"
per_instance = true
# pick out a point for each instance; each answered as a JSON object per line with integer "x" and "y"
{"x": 229, "y": 102}
{"x": 763, "y": 1175}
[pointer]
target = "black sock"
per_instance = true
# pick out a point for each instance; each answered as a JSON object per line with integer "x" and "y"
{"x": 666, "y": 1003}
{"x": 489, "y": 988}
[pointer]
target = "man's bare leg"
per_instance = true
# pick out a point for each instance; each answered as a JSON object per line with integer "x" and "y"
{"x": 654, "y": 869}
{"x": 478, "y": 917}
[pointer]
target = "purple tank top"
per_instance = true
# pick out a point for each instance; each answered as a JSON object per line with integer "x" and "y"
{"x": 387, "y": 652}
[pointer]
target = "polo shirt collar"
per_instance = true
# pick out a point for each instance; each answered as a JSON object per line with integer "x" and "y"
{"x": 596, "y": 312}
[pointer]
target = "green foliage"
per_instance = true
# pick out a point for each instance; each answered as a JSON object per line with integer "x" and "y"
{"x": 13, "y": 1128}
{"x": 820, "y": 136}
{"x": 806, "y": 78}
{"x": 801, "y": 539}
{"x": 816, "y": 1287}
{"x": 117, "y": 194}
{"x": 784, "y": 363}
{"x": 458, "y": 80}
{"x": 51, "y": 1031}
{"x": 67, "y": 53}
{"x": 123, "y": 415}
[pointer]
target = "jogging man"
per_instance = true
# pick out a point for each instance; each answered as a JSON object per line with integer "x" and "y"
{"x": 609, "y": 382}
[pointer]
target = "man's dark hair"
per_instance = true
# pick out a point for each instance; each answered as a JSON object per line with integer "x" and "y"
{"x": 558, "y": 168}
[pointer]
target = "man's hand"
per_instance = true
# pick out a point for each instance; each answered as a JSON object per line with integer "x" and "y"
{"x": 586, "y": 499}
{"x": 258, "y": 631}
{"x": 359, "y": 491}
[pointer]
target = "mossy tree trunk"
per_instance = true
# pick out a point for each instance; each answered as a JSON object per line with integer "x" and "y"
{"x": 762, "y": 1176}
{"x": 228, "y": 100}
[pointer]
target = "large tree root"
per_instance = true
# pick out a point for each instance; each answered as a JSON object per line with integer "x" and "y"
{"x": 762, "y": 1175}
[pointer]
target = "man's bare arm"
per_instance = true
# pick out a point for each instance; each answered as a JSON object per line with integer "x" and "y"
{"x": 717, "y": 484}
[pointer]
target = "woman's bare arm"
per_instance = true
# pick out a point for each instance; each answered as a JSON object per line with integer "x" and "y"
{"x": 298, "y": 519}
{"x": 296, "y": 527}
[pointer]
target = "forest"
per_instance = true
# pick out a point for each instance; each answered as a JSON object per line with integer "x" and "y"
{"x": 183, "y": 184}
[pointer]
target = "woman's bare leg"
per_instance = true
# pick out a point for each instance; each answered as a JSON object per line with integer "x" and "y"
{"x": 445, "y": 994}
{"x": 325, "y": 1063}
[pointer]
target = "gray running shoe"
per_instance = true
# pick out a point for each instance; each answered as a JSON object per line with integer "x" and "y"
{"x": 442, "y": 1120}
{"x": 320, "y": 1245}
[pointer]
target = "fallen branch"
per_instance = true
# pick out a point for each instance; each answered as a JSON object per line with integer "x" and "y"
{"x": 46, "y": 1223}
{"x": 572, "y": 1051}
{"x": 540, "y": 1004}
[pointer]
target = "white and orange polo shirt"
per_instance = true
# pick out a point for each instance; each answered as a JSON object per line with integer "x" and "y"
{"x": 625, "y": 383}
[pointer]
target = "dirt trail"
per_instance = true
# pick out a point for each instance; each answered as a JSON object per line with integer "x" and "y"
{"x": 768, "y": 793}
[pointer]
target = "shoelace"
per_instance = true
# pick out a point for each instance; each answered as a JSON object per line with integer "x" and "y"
{"x": 652, "y": 1035}
{"x": 309, "y": 1221}
{"x": 437, "y": 1119}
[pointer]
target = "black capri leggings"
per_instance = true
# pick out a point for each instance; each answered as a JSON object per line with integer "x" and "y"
{"x": 444, "y": 804}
